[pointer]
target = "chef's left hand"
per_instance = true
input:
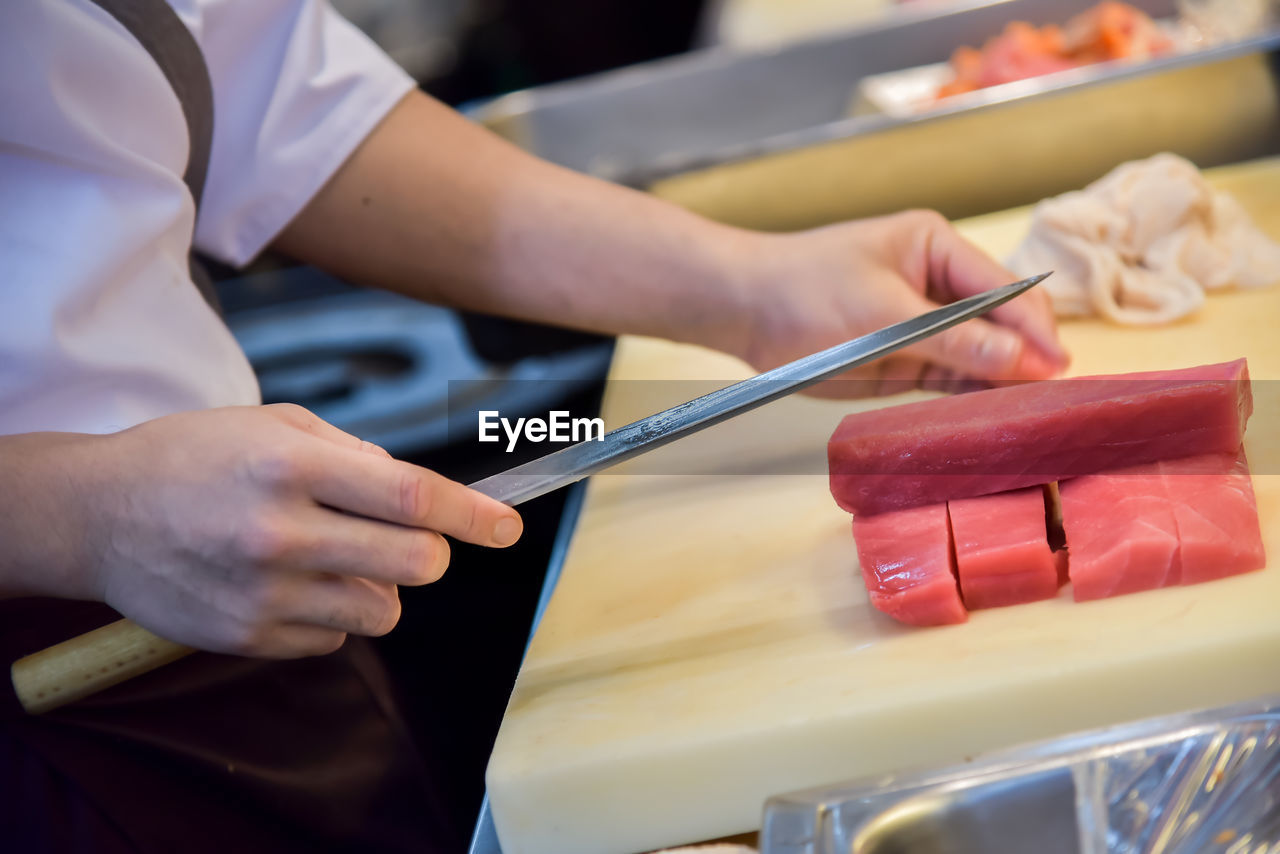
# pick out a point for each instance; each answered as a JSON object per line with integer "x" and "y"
{"x": 810, "y": 290}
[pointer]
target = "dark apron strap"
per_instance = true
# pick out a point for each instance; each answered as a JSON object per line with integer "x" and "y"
{"x": 161, "y": 32}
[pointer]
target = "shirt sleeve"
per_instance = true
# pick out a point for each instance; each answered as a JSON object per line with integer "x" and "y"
{"x": 296, "y": 88}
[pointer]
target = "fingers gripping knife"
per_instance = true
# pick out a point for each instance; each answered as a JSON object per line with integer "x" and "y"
{"x": 98, "y": 659}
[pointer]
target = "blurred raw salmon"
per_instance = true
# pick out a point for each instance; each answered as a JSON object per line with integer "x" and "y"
{"x": 1109, "y": 31}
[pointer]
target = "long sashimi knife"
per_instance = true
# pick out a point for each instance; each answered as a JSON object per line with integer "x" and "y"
{"x": 86, "y": 664}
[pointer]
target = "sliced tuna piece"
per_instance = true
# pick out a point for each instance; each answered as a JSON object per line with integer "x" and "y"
{"x": 1002, "y": 549}
{"x": 907, "y": 565}
{"x": 1216, "y": 515}
{"x": 1007, "y": 438}
{"x": 1180, "y": 521}
{"x": 1121, "y": 533}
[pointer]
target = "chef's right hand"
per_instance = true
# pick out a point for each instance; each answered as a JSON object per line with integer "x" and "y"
{"x": 266, "y": 531}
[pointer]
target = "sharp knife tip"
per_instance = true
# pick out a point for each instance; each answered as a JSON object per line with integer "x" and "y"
{"x": 1004, "y": 293}
{"x": 1009, "y": 291}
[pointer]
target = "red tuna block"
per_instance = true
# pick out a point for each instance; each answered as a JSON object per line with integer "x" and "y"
{"x": 1007, "y": 438}
{"x": 1216, "y": 516}
{"x": 907, "y": 565}
{"x": 1121, "y": 533}
{"x": 1002, "y": 549}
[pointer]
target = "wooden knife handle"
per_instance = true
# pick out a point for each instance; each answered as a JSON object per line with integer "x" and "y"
{"x": 87, "y": 664}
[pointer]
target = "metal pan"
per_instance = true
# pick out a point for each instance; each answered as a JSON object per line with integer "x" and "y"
{"x": 765, "y": 139}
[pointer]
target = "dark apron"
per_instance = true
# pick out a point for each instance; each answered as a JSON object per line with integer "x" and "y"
{"x": 212, "y": 753}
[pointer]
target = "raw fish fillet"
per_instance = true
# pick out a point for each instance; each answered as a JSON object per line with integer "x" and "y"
{"x": 907, "y": 565}
{"x": 1121, "y": 533}
{"x": 1216, "y": 516}
{"x": 1143, "y": 244}
{"x": 1002, "y": 549}
{"x": 1171, "y": 522}
{"x": 1007, "y": 438}
{"x": 1108, "y": 31}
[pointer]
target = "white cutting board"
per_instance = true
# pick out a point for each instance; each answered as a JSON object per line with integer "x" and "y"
{"x": 710, "y": 642}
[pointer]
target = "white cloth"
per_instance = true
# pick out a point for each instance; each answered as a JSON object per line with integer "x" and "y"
{"x": 100, "y": 325}
{"x": 1141, "y": 245}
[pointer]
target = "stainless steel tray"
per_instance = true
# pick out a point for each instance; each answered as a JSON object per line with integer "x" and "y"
{"x": 764, "y": 139}
{"x": 1185, "y": 784}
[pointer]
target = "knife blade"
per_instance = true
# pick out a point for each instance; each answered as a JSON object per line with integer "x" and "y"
{"x": 571, "y": 464}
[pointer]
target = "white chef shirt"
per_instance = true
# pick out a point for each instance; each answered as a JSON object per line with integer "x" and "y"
{"x": 100, "y": 324}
